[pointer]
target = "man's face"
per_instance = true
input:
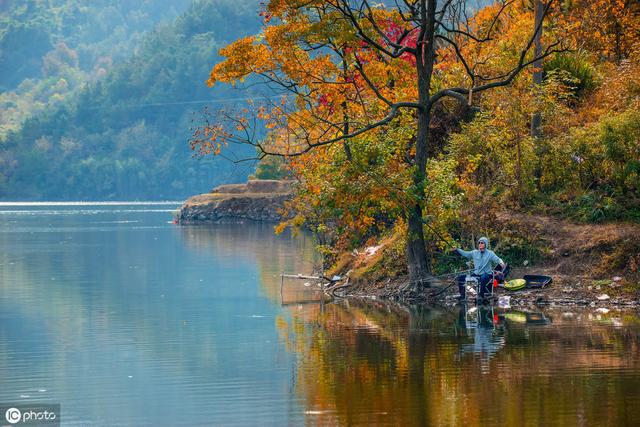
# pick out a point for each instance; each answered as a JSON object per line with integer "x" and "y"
{"x": 481, "y": 246}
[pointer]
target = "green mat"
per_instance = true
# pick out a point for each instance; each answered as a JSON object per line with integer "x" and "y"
{"x": 515, "y": 284}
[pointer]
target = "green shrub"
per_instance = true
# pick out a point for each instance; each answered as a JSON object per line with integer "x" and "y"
{"x": 574, "y": 70}
{"x": 272, "y": 167}
{"x": 620, "y": 136}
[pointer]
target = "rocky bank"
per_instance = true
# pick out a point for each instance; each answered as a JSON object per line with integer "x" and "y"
{"x": 257, "y": 200}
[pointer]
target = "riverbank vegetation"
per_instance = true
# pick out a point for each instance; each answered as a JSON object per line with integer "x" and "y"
{"x": 519, "y": 115}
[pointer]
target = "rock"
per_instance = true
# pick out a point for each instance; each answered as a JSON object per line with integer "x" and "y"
{"x": 617, "y": 279}
{"x": 541, "y": 301}
{"x": 371, "y": 250}
{"x": 603, "y": 310}
{"x": 257, "y": 200}
{"x": 504, "y": 301}
{"x": 603, "y": 297}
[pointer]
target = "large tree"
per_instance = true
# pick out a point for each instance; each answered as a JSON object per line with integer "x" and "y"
{"x": 346, "y": 68}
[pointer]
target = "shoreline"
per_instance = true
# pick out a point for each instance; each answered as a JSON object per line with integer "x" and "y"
{"x": 595, "y": 265}
{"x": 563, "y": 292}
{"x": 592, "y": 265}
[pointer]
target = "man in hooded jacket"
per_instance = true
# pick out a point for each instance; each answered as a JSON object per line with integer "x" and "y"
{"x": 484, "y": 261}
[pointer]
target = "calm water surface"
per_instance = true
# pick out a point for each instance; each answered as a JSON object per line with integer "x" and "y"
{"x": 126, "y": 319}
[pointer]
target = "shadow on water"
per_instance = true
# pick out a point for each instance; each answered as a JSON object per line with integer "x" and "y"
{"x": 363, "y": 362}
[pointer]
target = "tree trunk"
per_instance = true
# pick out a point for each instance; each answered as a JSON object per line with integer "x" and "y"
{"x": 419, "y": 270}
{"x": 416, "y": 253}
{"x": 536, "y": 120}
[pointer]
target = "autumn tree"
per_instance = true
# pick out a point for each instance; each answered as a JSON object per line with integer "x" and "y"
{"x": 350, "y": 68}
{"x": 609, "y": 27}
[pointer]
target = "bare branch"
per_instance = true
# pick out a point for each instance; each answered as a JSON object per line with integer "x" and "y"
{"x": 371, "y": 85}
{"x": 448, "y": 92}
{"x": 506, "y": 78}
{"x": 468, "y": 34}
{"x": 459, "y": 55}
{"x": 393, "y": 112}
{"x": 504, "y": 82}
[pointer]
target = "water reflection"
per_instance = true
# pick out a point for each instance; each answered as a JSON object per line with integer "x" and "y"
{"x": 124, "y": 324}
{"x": 119, "y": 312}
{"x": 483, "y": 324}
{"x": 273, "y": 254}
{"x": 371, "y": 362}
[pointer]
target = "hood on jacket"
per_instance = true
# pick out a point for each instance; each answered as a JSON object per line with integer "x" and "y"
{"x": 485, "y": 241}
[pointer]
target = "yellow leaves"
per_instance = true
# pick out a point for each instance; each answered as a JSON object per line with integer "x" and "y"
{"x": 210, "y": 139}
{"x": 278, "y": 229}
{"x": 281, "y": 36}
{"x": 367, "y": 221}
{"x": 244, "y": 56}
{"x": 298, "y": 220}
{"x": 610, "y": 27}
{"x": 289, "y": 8}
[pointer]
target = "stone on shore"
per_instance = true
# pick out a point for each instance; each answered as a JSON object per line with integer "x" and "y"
{"x": 257, "y": 200}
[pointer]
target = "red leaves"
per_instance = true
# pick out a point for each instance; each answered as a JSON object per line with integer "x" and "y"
{"x": 394, "y": 32}
{"x": 324, "y": 101}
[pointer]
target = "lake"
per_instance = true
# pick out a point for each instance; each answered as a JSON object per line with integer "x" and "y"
{"x": 125, "y": 319}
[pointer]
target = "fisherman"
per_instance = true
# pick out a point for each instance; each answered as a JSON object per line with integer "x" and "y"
{"x": 484, "y": 261}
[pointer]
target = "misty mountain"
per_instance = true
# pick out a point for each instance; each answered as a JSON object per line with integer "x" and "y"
{"x": 123, "y": 134}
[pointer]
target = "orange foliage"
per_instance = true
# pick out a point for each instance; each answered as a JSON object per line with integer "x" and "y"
{"x": 611, "y": 27}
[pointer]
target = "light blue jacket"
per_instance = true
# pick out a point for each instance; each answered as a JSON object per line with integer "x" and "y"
{"x": 483, "y": 261}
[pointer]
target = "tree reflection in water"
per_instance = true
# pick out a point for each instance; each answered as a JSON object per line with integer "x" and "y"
{"x": 380, "y": 363}
{"x": 372, "y": 362}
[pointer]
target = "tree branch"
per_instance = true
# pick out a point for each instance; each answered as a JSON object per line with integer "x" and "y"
{"x": 468, "y": 34}
{"x": 506, "y": 78}
{"x": 393, "y": 112}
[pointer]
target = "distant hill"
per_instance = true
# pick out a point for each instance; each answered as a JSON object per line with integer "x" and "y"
{"x": 123, "y": 133}
{"x": 93, "y": 29}
{"x": 50, "y": 49}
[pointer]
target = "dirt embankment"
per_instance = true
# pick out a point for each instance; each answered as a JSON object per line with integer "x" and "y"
{"x": 257, "y": 200}
{"x": 594, "y": 251}
{"x": 593, "y": 265}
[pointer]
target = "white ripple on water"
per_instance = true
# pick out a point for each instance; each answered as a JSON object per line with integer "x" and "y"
{"x": 84, "y": 212}
{"x": 86, "y": 229}
{"x": 96, "y": 203}
{"x": 250, "y": 316}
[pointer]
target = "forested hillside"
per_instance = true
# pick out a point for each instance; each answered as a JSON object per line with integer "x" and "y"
{"x": 94, "y": 109}
{"x": 49, "y": 49}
